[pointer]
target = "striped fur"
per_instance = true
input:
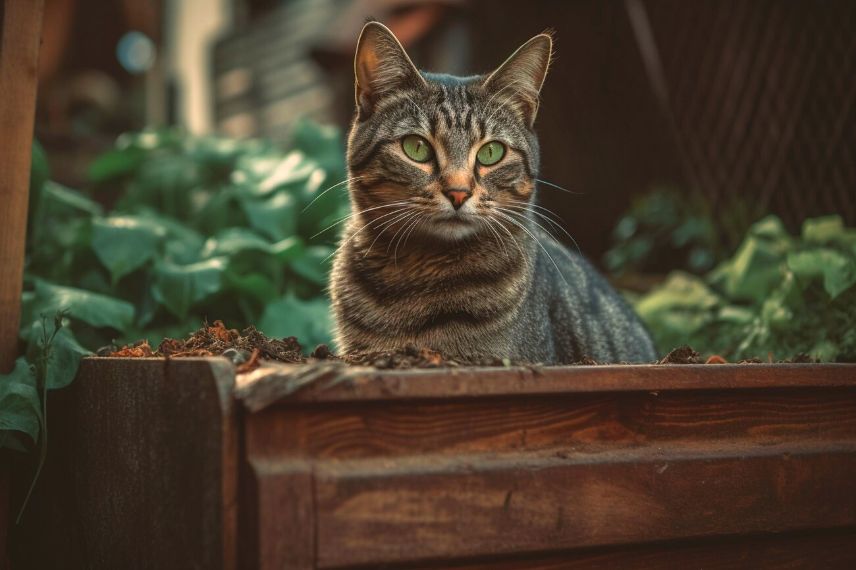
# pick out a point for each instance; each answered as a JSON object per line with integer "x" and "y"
{"x": 482, "y": 280}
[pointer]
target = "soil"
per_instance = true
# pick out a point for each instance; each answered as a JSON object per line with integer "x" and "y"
{"x": 247, "y": 348}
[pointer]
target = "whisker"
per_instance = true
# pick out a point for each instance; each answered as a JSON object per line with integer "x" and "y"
{"x": 559, "y": 187}
{"x": 412, "y": 224}
{"x": 511, "y": 235}
{"x": 544, "y": 249}
{"x": 553, "y": 223}
{"x": 327, "y": 190}
{"x": 486, "y": 221}
{"x": 385, "y": 226}
{"x": 351, "y": 215}
{"x": 361, "y": 228}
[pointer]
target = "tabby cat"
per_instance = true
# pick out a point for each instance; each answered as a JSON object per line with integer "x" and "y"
{"x": 444, "y": 248}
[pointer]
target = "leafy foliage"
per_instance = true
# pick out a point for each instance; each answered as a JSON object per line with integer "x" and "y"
{"x": 778, "y": 295}
{"x": 196, "y": 228}
{"x": 663, "y": 230}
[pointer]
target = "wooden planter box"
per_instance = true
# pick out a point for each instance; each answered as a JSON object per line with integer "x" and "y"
{"x": 169, "y": 464}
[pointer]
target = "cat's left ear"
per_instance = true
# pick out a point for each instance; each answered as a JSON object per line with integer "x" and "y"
{"x": 522, "y": 75}
{"x": 381, "y": 67}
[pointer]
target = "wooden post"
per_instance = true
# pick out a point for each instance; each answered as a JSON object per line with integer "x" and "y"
{"x": 20, "y": 36}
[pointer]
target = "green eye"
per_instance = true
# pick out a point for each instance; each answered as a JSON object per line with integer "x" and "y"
{"x": 491, "y": 153}
{"x": 417, "y": 148}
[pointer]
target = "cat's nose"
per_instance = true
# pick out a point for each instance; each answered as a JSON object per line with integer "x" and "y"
{"x": 457, "y": 196}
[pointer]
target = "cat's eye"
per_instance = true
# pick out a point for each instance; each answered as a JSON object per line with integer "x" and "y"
{"x": 417, "y": 148}
{"x": 491, "y": 153}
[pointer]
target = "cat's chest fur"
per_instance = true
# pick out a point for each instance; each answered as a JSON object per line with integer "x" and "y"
{"x": 461, "y": 301}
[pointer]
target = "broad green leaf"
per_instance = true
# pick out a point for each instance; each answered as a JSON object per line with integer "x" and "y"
{"x": 308, "y": 320}
{"x": 828, "y": 230}
{"x": 64, "y": 357}
{"x": 179, "y": 287}
{"x": 232, "y": 241}
{"x": 276, "y": 217}
{"x": 92, "y": 308}
{"x": 838, "y": 270}
{"x": 314, "y": 264}
{"x": 758, "y": 264}
{"x": 116, "y": 163}
{"x": 324, "y": 143}
{"x": 59, "y": 200}
{"x": 291, "y": 172}
{"x": 257, "y": 285}
{"x": 125, "y": 243}
{"x": 20, "y": 404}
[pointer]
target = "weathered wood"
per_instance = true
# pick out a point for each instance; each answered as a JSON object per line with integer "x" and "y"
{"x": 142, "y": 470}
{"x": 578, "y": 467}
{"x": 477, "y": 506}
{"x": 829, "y": 550}
{"x": 367, "y": 384}
{"x": 567, "y": 422}
{"x": 443, "y": 467}
{"x": 20, "y": 37}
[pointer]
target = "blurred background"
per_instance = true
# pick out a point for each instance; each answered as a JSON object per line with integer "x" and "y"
{"x": 674, "y": 126}
{"x": 748, "y": 102}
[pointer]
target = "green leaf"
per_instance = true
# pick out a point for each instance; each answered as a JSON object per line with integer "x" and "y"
{"x": 276, "y": 217}
{"x": 125, "y": 243}
{"x": 314, "y": 264}
{"x": 309, "y": 321}
{"x": 758, "y": 264}
{"x": 20, "y": 405}
{"x": 838, "y": 270}
{"x": 64, "y": 354}
{"x": 828, "y": 230}
{"x": 59, "y": 200}
{"x": 324, "y": 143}
{"x": 179, "y": 287}
{"x": 232, "y": 241}
{"x": 92, "y": 308}
{"x": 256, "y": 285}
{"x": 290, "y": 173}
{"x": 116, "y": 163}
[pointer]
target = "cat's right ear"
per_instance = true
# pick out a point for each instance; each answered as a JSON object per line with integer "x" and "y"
{"x": 381, "y": 66}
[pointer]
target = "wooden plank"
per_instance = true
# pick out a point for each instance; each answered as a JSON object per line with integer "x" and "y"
{"x": 367, "y": 384}
{"x": 830, "y": 550}
{"x": 142, "y": 470}
{"x": 565, "y": 423}
{"x": 280, "y": 516}
{"x": 20, "y": 37}
{"x": 372, "y": 512}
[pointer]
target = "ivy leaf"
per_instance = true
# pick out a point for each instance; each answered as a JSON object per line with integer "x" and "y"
{"x": 179, "y": 287}
{"x": 92, "y": 308}
{"x": 20, "y": 403}
{"x": 125, "y": 243}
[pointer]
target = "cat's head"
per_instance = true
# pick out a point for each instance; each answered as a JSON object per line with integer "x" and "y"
{"x": 442, "y": 156}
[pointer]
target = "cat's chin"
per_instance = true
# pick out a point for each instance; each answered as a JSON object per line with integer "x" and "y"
{"x": 454, "y": 228}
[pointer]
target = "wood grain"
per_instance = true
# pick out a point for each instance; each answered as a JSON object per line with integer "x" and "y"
{"x": 829, "y": 550}
{"x": 20, "y": 37}
{"x": 141, "y": 473}
{"x": 563, "y": 422}
{"x": 477, "y": 506}
{"x": 366, "y": 384}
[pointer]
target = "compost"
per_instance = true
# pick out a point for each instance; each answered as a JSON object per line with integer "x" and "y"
{"x": 247, "y": 348}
